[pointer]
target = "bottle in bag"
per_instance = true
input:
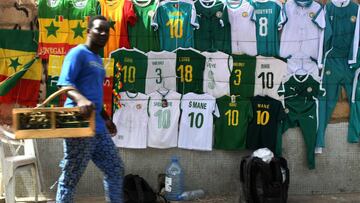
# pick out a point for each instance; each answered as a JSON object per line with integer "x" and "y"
{"x": 191, "y": 195}
{"x": 174, "y": 183}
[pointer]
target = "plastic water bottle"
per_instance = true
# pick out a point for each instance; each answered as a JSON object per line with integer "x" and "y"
{"x": 191, "y": 195}
{"x": 174, "y": 183}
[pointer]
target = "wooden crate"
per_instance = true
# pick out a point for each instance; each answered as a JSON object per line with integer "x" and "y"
{"x": 51, "y": 123}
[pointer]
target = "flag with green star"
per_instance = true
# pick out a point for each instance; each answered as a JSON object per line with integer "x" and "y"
{"x": 20, "y": 70}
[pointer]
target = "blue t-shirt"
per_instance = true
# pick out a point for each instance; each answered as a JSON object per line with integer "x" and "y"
{"x": 83, "y": 70}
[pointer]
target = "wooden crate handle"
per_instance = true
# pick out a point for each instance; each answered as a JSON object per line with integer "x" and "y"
{"x": 55, "y": 94}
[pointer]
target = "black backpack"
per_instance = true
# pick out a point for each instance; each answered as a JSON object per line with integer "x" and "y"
{"x": 264, "y": 182}
{"x": 137, "y": 190}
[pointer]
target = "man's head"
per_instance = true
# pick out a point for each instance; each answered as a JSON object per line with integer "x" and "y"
{"x": 98, "y": 31}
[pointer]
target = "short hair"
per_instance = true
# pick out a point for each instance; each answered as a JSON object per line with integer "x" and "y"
{"x": 93, "y": 18}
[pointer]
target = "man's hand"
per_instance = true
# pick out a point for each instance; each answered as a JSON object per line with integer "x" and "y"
{"x": 86, "y": 107}
{"x": 111, "y": 127}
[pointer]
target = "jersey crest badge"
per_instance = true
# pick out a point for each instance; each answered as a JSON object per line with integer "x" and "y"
{"x": 138, "y": 106}
{"x": 53, "y": 3}
{"x": 176, "y": 5}
{"x": 353, "y": 19}
{"x": 219, "y": 14}
{"x": 245, "y": 14}
{"x": 151, "y": 14}
{"x": 311, "y": 14}
{"x": 286, "y": 110}
{"x": 328, "y": 72}
{"x": 309, "y": 89}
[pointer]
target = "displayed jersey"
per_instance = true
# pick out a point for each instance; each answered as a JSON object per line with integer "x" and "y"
{"x": 342, "y": 30}
{"x": 263, "y": 131}
{"x": 242, "y": 78}
{"x": 54, "y": 68}
{"x": 196, "y": 124}
{"x": 53, "y": 28}
{"x": 79, "y": 16}
{"x": 164, "y": 113}
{"x": 217, "y": 72}
{"x": 161, "y": 71}
{"x": 268, "y": 19}
{"x": 243, "y": 30}
{"x": 341, "y": 46}
{"x": 231, "y": 126}
{"x": 190, "y": 65}
{"x": 302, "y": 37}
{"x": 214, "y": 32}
{"x": 141, "y": 34}
{"x": 120, "y": 14}
{"x": 268, "y": 76}
{"x": 131, "y": 121}
{"x": 108, "y": 84}
{"x": 354, "y": 127}
{"x": 130, "y": 67}
{"x": 301, "y": 108}
{"x": 175, "y": 22}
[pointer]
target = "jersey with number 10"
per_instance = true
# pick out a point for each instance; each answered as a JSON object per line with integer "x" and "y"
{"x": 196, "y": 125}
{"x": 268, "y": 18}
{"x": 175, "y": 21}
{"x": 129, "y": 70}
{"x": 231, "y": 126}
{"x": 164, "y": 113}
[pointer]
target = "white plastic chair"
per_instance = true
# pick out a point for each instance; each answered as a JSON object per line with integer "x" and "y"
{"x": 12, "y": 165}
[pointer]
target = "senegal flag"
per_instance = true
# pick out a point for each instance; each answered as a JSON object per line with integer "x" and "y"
{"x": 20, "y": 71}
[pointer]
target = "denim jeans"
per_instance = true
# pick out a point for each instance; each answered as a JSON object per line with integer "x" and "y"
{"x": 77, "y": 154}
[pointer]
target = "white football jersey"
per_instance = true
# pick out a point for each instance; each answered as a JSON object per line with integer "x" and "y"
{"x": 218, "y": 67}
{"x": 131, "y": 121}
{"x": 243, "y": 30}
{"x": 164, "y": 113}
{"x": 302, "y": 37}
{"x": 161, "y": 71}
{"x": 269, "y": 73}
{"x": 196, "y": 124}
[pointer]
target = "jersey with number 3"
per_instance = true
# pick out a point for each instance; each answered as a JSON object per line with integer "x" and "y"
{"x": 164, "y": 113}
{"x": 160, "y": 71}
{"x": 268, "y": 19}
{"x": 175, "y": 21}
{"x": 196, "y": 125}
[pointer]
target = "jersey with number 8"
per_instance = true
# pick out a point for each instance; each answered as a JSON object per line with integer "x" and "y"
{"x": 196, "y": 125}
{"x": 268, "y": 18}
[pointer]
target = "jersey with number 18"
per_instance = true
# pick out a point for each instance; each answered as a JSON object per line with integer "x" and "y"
{"x": 196, "y": 124}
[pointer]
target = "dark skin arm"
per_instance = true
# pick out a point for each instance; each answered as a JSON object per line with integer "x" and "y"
{"x": 86, "y": 107}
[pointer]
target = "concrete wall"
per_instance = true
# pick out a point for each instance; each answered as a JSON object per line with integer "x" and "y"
{"x": 217, "y": 172}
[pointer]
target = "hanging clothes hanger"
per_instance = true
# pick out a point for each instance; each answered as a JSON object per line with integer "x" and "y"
{"x": 142, "y": 3}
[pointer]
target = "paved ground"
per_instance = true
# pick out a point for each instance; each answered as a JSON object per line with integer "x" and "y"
{"x": 331, "y": 198}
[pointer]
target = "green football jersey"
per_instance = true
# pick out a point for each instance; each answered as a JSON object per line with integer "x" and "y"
{"x": 231, "y": 126}
{"x": 214, "y": 32}
{"x": 130, "y": 66}
{"x": 242, "y": 78}
{"x": 141, "y": 34}
{"x": 175, "y": 21}
{"x": 190, "y": 66}
{"x": 340, "y": 36}
{"x": 267, "y": 17}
